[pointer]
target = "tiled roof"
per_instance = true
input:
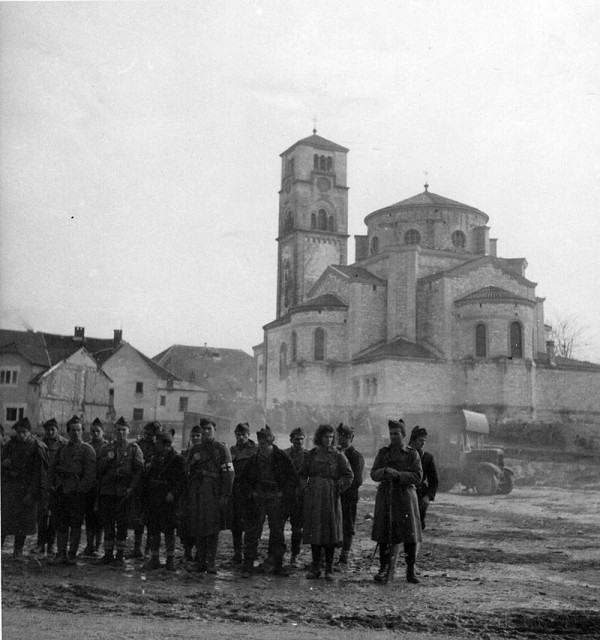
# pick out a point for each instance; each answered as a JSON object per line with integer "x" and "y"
{"x": 571, "y": 363}
{"x": 29, "y": 344}
{"x": 319, "y": 142}
{"x": 327, "y": 300}
{"x": 358, "y": 274}
{"x": 493, "y": 293}
{"x": 399, "y": 348}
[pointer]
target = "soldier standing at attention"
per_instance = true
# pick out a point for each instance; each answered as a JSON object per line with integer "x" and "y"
{"x": 297, "y": 454}
{"x": 349, "y": 498}
{"x": 163, "y": 484}
{"x": 427, "y": 489}
{"x": 24, "y": 478}
{"x": 210, "y": 477}
{"x": 269, "y": 481}
{"x": 184, "y": 530}
{"x": 72, "y": 473}
{"x": 46, "y": 521}
{"x": 398, "y": 470}
{"x": 93, "y": 526}
{"x": 120, "y": 467}
{"x": 147, "y": 444}
{"x": 241, "y": 452}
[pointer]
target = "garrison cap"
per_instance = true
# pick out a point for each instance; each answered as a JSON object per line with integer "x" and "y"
{"x": 418, "y": 432}
{"x": 23, "y": 422}
{"x": 242, "y": 427}
{"x": 196, "y": 429}
{"x": 164, "y": 436}
{"x": 51, "y": 424}
{"x": 345, "y": 430}
{"x": 298, "y": 432}
{"x": 97, "y": 422}
{"x": 204, "y": 422}
{"x": 397, "y": 424}
{"x": 74, "y": 420}
{"x": 121, "y": 422}
{"x": 265, "y": 434}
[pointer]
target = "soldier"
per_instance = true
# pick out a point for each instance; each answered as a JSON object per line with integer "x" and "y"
{"x": 269, "y": 482}
{"x": 427, "y": 489}
{"x": 24, "y": 478}
{"x": 398, "y": 470}
{"x": 46, "y": 521}
{"x": 146, "y": 443}
{"x": 297, "y": 454}
{"x": 72, "y": 473}
{"x": 241, "y": 452}
{"x": 349, "y": 498}
{"x": 163, "y": 483}
{"x": 210, "y": 477}
{"x": 120, "y": 467}
{"x": 184, "y": 530}
{"x": 93, "y": 526}
{"x": 328, "y": 474}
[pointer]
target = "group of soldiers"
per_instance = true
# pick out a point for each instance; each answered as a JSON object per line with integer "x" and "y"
{"x": 54, "y": 484}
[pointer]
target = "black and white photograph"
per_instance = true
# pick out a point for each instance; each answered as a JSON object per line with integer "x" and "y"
{"x": 300, "y": 319}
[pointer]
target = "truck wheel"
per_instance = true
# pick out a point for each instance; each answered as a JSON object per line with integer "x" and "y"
{"x": 506, "y": 485}
{"x": 486, "y": 483}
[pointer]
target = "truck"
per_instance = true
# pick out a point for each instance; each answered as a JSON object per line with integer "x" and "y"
{"x": 457, "y": 442}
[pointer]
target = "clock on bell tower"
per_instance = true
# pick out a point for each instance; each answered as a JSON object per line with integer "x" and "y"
{"x": 313, "y": 217}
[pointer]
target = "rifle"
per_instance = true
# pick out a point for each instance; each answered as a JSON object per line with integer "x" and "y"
{"x": 392, "y": 549}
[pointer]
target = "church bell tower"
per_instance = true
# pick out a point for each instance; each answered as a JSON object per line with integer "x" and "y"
{"x": 313, "y": 217}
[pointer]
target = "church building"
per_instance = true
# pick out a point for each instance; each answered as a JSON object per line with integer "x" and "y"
{"x": 427, "y": 319}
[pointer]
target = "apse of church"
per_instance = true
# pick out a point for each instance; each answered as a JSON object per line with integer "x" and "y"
{"x": 427, "y": 319}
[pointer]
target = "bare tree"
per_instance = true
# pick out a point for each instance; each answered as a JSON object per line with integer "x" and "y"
{"x": 568, "y": 334}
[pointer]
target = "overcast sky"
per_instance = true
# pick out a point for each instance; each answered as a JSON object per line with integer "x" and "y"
{"x": 140, "y": 142}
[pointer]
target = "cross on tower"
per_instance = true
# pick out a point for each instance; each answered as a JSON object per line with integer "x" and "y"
{"x": 426, "y": 185}
{"x": 315, "y": 125}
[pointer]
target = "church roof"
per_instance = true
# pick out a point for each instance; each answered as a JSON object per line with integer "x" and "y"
{"x": 318, "y": 142}
{"x": 399, "y": 348}
{"x": 493, "y": 293}
{"x": 327, "y": 300}
{"x": 358, "y": 274}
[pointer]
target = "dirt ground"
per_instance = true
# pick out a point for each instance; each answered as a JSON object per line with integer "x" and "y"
{"x": 525, "y": 565}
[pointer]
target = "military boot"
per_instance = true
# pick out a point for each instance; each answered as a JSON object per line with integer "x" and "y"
{"x": 153, "y": 563}
{"x": 170, "y": 564}
{"x": 248, "y": 568}
{"x": 211, "y": 554}
{"x": 237, "y": 548}
{"x": 120, "y": 557}
{"x": 315, "y": 570}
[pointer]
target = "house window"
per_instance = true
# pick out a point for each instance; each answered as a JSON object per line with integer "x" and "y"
{"x": 261, "y": 370}
{"x": 319, "y": 344}
{"x": 283, "y": 360}
{"x": 12, "y": 414}
{"x": 163, "y": 401}
{"x": 322, "y": 220}
{"x": 516, "y": 340}
{"x": 329, "y": 164}
{"x": 331, "y": 223}
{"x": 288, "y": 225}
{"x": 374, "y": 245}
{"x": 139, "y": 387}
{"x": 322, "y": 163}
{"x": 138, "y": 415}
{"x": 412, "y": 236}
{"x": 459, "y": 239}
{"x": 315, "y": 161}
{"x": 294, "y": 345}
{"x": 8, "y": 377}
{"x": 183, "y": 403}
{"x": 480, "y": 341}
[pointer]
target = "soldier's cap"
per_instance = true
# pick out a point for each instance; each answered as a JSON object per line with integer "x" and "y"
{"x": 23, "y": 422}
{"x": 418, "y": 432}
{"x": 298, "y": 432}
{"x": 152, "y": 427}
{"x": 196, "y": 429}
{"x": 157, "y": 425}
{"x": 397, "y": 424}
{"x": 164, "y": 436}
{"x": 74, "y": 420}
{"x": 204, "y": 422}
{"x": 121, "y": 422}
{"x": 97, "y": 422}
{"x": 265, "y": 434}
{"x": 51, "y": 424}
{"x": 345, "y": 430}
{"x": 242, "y": 427}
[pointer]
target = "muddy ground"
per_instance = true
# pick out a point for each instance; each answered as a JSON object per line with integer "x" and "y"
{"x": 526, "y": 565}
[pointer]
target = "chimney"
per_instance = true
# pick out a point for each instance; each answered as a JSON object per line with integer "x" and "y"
{"x": 79, "y": 335}
{"x": 118, "y": 336}
{"x": 550, "y": 351}
{"x": 494, "y": 247}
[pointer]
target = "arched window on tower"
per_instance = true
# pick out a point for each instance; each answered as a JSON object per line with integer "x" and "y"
{"x": 374, "y": 245}
{"x": 290, "y": 167}
{"x": 315, "y": 161}
{"x": 480, "y": 341}
{"x": 412, "y": 236}
{"x": 322, "y": 220}
{"x": 289, "y": 222}
{"x": 329, "y": 164}
{"x": 516, "y": 340}
{"x": 331, "y": 223}
{"x": 313, "y": 220}
{"x": 323, "y": 163}
{"x": 283, "y": 360}
{"x": 294, "y": 347}
{"x": 459, "y": 240}
{"x": 319, "y": 345}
